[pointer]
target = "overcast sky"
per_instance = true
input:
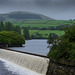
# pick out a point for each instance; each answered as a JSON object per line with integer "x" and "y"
{"x": 57, "y": 9}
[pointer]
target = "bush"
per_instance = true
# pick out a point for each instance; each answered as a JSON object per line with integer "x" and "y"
{"x": 65, "y": 46}
{"x": 11, "y": 38}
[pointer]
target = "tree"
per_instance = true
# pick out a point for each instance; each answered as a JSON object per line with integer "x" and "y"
{"x": 1, "y": 26}
{"x": 17, "y": 29}
{"x": 70, "y": 34}
{"x": 8, "y": 26}
{"x": 65, "y": 46}
{"x": 26, "y": 33}
{"x": 11, "y": 38}
{"x": 50, "y": 39}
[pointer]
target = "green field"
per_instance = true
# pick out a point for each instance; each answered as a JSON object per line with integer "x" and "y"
{"x": 45, "y": 33}
{"x": 44, "y": 24}
{"x": 59, "y": 33}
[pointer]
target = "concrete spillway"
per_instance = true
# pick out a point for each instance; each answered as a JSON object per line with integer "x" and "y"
{"x": 32, "y": 62}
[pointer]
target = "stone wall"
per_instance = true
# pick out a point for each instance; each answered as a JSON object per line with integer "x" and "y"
{"x": 62, "y": 68}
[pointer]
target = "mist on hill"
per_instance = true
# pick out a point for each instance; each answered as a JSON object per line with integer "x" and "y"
{"x": 23, "y": 16}
{"x": 57, "y": 9}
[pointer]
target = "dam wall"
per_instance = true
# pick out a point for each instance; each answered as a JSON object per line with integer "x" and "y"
{"x": 33, "y": 62}
{"x": 61, "y": 67}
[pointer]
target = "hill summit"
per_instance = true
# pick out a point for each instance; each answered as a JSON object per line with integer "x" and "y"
{"x": 23, "y": 16}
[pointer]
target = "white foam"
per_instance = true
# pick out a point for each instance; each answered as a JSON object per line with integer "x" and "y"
{"x": 16, "y": 69}
{"x": 31, "y": 62}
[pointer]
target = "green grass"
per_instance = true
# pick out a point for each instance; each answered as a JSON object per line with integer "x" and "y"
{"x": 44, "y": 24}
{"x": 38, "y": 25}
{"x": 41, "y": 24}
{"x": 44, "y": 32}
{"x": 33, "y": 31}
{"x": 59, "y": 33}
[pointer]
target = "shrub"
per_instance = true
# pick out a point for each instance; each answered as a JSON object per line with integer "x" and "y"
{"x": 65, "y": 46}
{"x": 11, "y": 38}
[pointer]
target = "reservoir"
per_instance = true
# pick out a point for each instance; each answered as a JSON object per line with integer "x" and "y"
{"x": 32, "y": 46}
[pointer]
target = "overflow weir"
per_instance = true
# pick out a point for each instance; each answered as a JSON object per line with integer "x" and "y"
{"x": 34, "y": 62}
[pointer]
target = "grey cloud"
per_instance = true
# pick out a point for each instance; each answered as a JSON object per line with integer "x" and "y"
{"x": 45, "y": 7}
{"x": 5, "y": 1}
{"x": 42, "y": 2}
{"x": 55, "y": 2}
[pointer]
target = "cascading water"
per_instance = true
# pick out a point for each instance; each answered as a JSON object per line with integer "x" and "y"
{"x": 34, "y": 63}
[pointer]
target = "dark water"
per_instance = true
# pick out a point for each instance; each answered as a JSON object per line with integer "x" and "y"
{"x": 34, "y": 46}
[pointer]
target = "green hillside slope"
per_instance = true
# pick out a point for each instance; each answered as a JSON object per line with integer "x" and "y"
{"x": 23, "y": 16}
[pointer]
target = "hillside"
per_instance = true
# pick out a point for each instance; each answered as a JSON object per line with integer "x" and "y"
{"x": 23, "y": 16}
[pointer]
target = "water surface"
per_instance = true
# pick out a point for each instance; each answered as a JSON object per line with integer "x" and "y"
{"x": 34, "y": 46}
{"x": 8, "y": 68}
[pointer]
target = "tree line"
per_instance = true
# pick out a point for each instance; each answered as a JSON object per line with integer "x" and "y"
{"x": 8, "y": 26}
